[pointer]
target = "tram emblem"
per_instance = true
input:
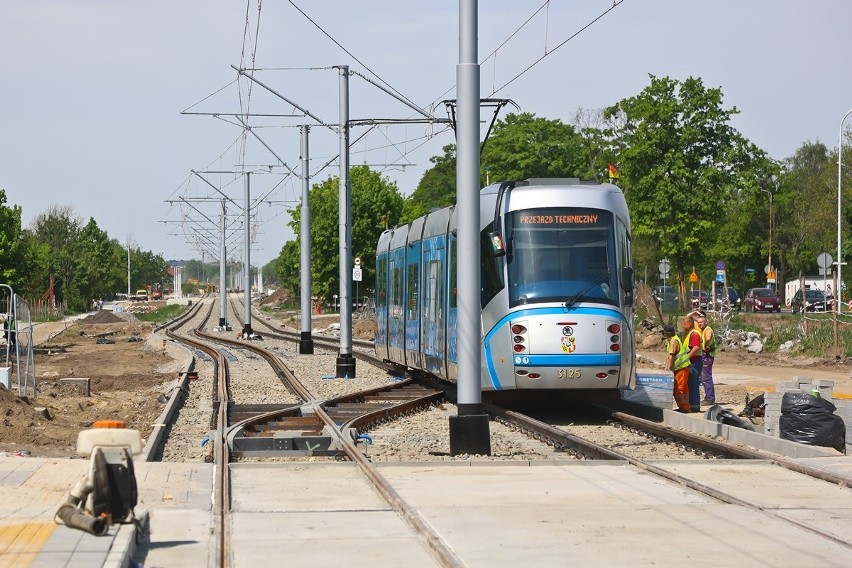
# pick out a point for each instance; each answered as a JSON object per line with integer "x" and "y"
{"x": 567, "y": 330}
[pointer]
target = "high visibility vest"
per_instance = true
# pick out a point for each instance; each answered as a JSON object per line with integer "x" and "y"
{"x": 681, "y": 358}
{"x": 700, "y": 340}
{"x": 709, "y": 347}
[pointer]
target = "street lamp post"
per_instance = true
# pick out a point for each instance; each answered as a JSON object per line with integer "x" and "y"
{"x": 839, "y": 290}
{"x": 769, "y": 193}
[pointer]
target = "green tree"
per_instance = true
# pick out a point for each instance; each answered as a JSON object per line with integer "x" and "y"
{"x": 93, "y": 255}
{"x": 437, "y": 187}
{"x": 526, "y": 146}
{"x": 11, "y": 247}
{"x": 58, "y": 228}
{"x": 146, "y": 269}
{"x": 373, "y": 199}
{"x": 681, "y": 163}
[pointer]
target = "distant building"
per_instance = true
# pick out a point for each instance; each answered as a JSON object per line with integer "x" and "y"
{"x": 811, "y": 283}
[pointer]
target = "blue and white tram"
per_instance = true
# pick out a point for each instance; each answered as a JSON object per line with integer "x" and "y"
{"x": 556, "y": 288}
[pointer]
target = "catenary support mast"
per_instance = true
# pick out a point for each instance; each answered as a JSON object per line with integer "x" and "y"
{"x": 469, "y": 433}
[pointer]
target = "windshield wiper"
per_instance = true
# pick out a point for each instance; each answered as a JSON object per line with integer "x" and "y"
{"x": 600, "y": 279}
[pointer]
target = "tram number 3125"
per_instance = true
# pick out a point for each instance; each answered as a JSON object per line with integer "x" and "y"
{"x": 568, "y": 373}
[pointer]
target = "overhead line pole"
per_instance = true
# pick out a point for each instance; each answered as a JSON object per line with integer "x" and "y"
{"x": 306, "y": 343}
{"x": 839, "y": 290}
{"x": 469, "y": 431}
{"x": 345, "y": 360}
{"x": 223, "y": 288}
{"x": 247, "y": 260}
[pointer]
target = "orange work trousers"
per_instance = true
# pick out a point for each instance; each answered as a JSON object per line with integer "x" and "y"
{"x": 681, "y": 389}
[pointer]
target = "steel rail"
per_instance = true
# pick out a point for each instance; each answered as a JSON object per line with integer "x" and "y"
{"x": 725, "y": 447}
{"x": 219, "y": 556}
{"x": 588, "y": 447}
{"x": 431, "y": 539}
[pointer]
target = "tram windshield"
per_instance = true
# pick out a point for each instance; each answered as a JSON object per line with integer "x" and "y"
{"x": 561, "y": 255}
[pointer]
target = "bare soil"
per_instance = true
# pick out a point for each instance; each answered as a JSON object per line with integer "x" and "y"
{"x": 124, "y": 386}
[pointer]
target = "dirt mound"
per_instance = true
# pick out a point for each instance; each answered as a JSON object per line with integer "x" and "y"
{"x": 277, "y": 297}
{"x": 102, "y": 316}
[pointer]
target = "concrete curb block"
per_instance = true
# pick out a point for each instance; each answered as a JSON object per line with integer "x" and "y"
{"x": 746, "y": 437}
{"x": 124, "y": 544}
{"x": 158, "y": 431}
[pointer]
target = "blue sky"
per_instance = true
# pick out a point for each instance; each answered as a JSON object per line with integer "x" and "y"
{"x": 93, "y": 90}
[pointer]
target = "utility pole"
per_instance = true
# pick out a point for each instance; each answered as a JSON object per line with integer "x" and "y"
{"x": 469, "y": 430}
{"x": 345, "y": 359}
{"x": 128, "y": 268}
{"x": 306, "y": 343}
{"x": 223, "y": 259}
{"x": 247, "y": 259}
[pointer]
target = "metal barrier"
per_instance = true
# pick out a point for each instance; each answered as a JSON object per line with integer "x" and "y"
{"x": 18, "y": 336}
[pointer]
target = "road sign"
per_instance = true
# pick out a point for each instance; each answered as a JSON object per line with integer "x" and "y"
{"x": 720, "y": 265}
{"x": 356, "y": 274}
{"x": 767, "y": 269}
{"x": 664, "y": 267}
{"x": 824, "y": 260}
{"x": 357, "y": 261}
{"x": 693, "y": 277}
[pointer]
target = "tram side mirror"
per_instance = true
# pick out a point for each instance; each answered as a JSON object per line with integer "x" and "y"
{"x": 627, "y": 284}
{"x": 497, "y": 248}
{"x": 627, "y": 278}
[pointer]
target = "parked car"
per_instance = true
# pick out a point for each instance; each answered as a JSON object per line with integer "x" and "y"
{"x": 815, "y": 301}
{"x": 666, "y": 298}
{"x": 699, "y": 299}
{"x": 732, "y": 302}
{"x": 761, "y": 300}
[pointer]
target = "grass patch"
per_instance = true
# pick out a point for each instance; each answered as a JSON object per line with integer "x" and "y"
{"x": 164, "y": 314}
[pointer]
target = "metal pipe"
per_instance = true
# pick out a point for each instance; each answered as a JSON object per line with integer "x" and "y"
{"x": 72, "y": 516}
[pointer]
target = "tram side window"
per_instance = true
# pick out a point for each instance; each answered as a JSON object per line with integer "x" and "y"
{"x": 413, "y": 274}
{"x": 396, "y": 291}
{"x": 623, "y": 247}
{"x": 433, "y": 291}
{"x": 381, "y": 283}
{"x": 491, "y": 273}
{"x": 453, "y": 291}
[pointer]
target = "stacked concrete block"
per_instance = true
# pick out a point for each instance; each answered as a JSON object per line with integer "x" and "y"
{"x": 844, "y": 410}
{"x": 772, "y": 413}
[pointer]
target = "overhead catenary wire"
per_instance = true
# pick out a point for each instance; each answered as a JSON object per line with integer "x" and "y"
{"x": 615, "y": 4}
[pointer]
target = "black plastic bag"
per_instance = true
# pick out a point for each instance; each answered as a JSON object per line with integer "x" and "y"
{"x": 811, "y": 420}
{"x": 805, "y": 403}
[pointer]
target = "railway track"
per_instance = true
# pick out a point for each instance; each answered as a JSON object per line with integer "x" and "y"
{"x": 563, "y": 442}
{"x": 312, "y": 427}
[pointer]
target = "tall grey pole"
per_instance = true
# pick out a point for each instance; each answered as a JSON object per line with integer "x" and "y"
{"x": 128, "y": 268}
{"x": 247, "y": 259}
{"x": 306, "y": 343}
{"x": 469, "y": 430}
{"x": 345, "y": 360}
{"x": 839, "y": 291}
{"x": 223, "y": 260}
